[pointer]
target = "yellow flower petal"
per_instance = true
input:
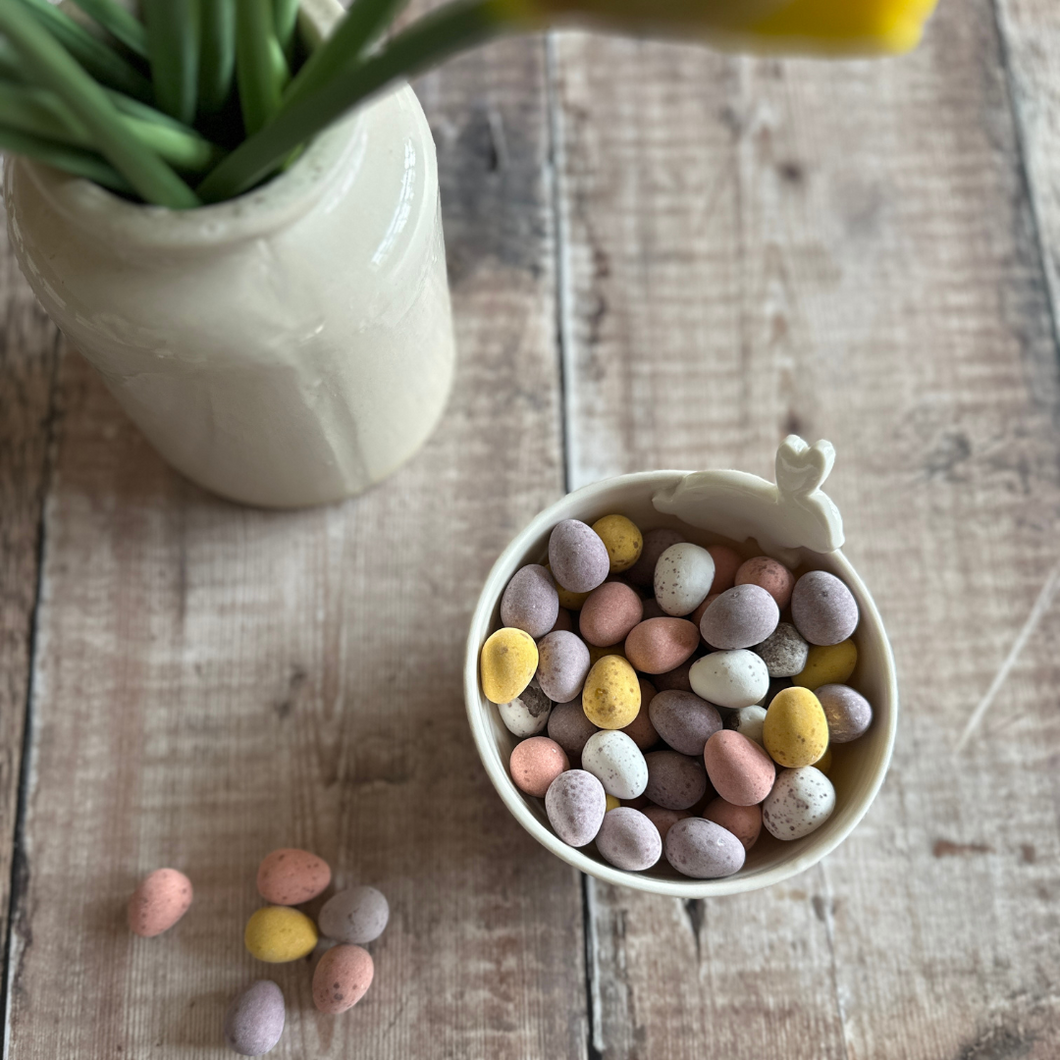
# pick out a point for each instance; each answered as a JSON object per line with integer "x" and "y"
{"x": 888, "y": 26}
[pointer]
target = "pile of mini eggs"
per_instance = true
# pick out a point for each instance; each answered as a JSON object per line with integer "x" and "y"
{"x": 690, "y": 696}
{"x": 279, "y": 933}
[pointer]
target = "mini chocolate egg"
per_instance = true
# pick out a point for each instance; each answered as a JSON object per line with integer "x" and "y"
{"x": 611, "y": 696}
{"x": 612, "y": 803}
{"x": 737, "y": 768}
{"x": 770, "y": 575}
{"x": 740, "y": 618}
{"x": 848, "y": 712}
{"x": 509, "y": 661}
{"x": 656, "y": 542}
{"x": 530, "y": 601}
{"x": 278, "y": 934}
{"x": 342, "y": 977}
{"x": 703, "y": 850}
{"x": 731, "y": 679}
{"x": 830, "y": 664}
{"x": 664, "y": 819}
{"x": 563, "y": 664}
{"x": 784, "y": 651}
{"x": 745, "y": 822}
{"x": 683, "y": 577}
{"x": 748, "y": 721}
{"x": 291, "y": 877}
{"x": 622, "y": 539}
{"x": 575, "y": 804}
{"x": 159, "y": 902}
{"x": 659, "y": 645}
{"x": 610, "y": 611}
{"x": 800, "y": 802}
{"x": 727, "y": 562}
{"x": 675, "y": 781}
{"x": 356, "y": 914}
{"x": 823, "y": 608}
{"x": 569, "y": 727}
{"x": 577, "y": 557}
{"x": 684, "y": 720}
{"x": 616, "y": 761}
{"x": 535, "y": 763}
{"x": 640, "y": 730}
{"x": 629, "y": 840}
{"x": 795, "y": 732}
{"x": 568, "y": 601}
{"x": 254, "y": 1021}
{"x": 527, "y": 715}
{"x": 674, "y": 680}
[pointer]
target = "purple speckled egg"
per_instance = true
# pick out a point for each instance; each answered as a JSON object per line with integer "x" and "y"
{"x": 562, "y": 665}
{"x": 703, "y": 850}
{"x": 848, "y": 712}
{"x": 628, "y": 840}
{"x": 823, "y": 608}
{"x": 675, "y": 781}
{"x": 578, "y": 557}
{"x": 530, "y": 601}
{"x": 740, "y": 618}
{"x": 576, "y": 803}
{"x": 684, "y": 720}
{"x": 254, "y": 1021}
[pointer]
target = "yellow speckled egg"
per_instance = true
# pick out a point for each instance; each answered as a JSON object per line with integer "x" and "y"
{"x": 623, "y": 539}
{"x": 612, "y": 803}
{"x": 611, "y": 697}
{"x": 279, "y": 933}
{"x": 830, "y": 665}
{"x": 509, "y": 661}
{"x": 795, "y": 730}
{"x": 567, "y": 599}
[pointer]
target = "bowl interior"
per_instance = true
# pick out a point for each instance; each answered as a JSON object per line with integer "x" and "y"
{"x": 858, "y": 767}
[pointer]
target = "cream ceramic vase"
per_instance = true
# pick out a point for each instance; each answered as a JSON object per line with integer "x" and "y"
{"x": 290, "y": 347}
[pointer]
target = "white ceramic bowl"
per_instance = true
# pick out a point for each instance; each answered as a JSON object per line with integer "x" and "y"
{"x": 794, "y": 523}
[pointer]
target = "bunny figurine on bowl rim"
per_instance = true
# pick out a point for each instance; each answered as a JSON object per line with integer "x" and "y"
{"x": 794, "y": 522}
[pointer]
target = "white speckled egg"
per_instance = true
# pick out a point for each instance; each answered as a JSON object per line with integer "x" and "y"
{"x": 617, "y": 762}
{"x": 730, "y": 679}
{"x": 800, "y": 802}
{"x": 683, "y": 576}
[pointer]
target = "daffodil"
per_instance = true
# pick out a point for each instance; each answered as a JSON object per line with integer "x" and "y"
{"x": 836, "y": 27}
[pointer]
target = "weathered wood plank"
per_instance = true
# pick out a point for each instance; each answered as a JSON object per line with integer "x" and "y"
{"x": 846, "y": 251}
{"x": 213, "y": 682}
{"x": 29, "y": 353}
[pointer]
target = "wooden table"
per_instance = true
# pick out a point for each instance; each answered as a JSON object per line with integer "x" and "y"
{"x": 660, "y": 257}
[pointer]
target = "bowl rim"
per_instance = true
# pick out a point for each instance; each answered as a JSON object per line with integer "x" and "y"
{"x": 513, "y": 798}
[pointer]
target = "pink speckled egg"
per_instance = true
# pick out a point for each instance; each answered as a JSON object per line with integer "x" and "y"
{"x": 745, "y": 822}
{"x": 159, "y": 902}
{"x": 740, "y": 771}
{"x": 661, "y": 644}
{"x": 290, "y": 876}
{"x": 610, "y": 611}
{"x": 771, "y": 575}
{"x": 535, "y": 763}
{"x": 342, "y": 978}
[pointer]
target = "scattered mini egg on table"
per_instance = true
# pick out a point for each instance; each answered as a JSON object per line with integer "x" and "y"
{"x": 162, "y": 898}
{"x": 689, "y": 702}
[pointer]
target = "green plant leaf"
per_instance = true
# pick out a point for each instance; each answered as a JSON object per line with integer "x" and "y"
{"x": 69, "y": 159}
{"x": 100, "y": 60}
{"x": 51, "y": 66}
{"x": 285, "y": 18}
{"x": 173, "y": 48}
{"x": 362, "y": 23}
{"x": 260, "y": 67}
{"x": 217, "y": 60}
{"x": 445, "y": 31}
{"x": 119, "y": 22}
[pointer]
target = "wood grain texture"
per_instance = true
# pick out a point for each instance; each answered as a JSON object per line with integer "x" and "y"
{"x": 29, "y": 353}
{"x": 213, "y": 682}
{"x": 846, "y": 251}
